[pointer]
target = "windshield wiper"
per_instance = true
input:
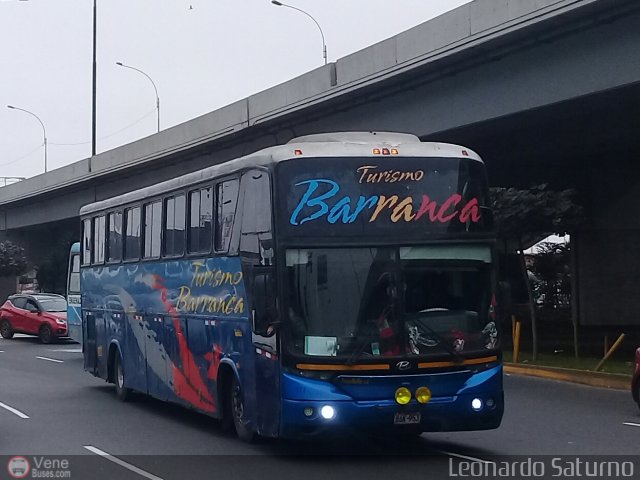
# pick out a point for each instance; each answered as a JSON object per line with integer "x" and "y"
{"x": 456, "y": 355}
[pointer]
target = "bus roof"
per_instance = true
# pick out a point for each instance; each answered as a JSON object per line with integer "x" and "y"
{"x": 322, "y": 145}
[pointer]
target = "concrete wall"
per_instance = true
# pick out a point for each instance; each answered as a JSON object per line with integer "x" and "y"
{"x": 464, "y": 29}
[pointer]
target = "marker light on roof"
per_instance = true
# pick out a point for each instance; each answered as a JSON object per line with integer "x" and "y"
{"x": 465, "y": 153}
{"x": 376, "y": 151}
{"x": 394, "y": 151}
{"x": 297, "y": 152}
{"x": 385, "y": 151}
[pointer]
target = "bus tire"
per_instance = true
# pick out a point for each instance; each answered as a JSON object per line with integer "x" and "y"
{"x": 236, "y": 402}
{"x": 5, "y": 329}
{"x": 123, "y": 393}
{"x": 45, "y": 334}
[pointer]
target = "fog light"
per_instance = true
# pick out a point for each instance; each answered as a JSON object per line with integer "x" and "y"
{"x": 423, "y": 394}
{"x": 308, "y": 412}
{"x": 490, "y": 402}
{"x": 476, "y": 404}
{"x": 403, "y": 395}
{"x": 327, "y": 412}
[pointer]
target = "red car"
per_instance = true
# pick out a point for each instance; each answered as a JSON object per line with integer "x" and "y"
{"x": 635, "y": 380}
{"x": 41, "y": 314}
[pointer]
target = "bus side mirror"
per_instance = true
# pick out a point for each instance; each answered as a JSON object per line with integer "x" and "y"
{"x": 262, "y": 326}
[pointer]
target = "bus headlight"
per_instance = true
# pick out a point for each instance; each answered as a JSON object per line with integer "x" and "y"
{"x": 476, "y": 404}
{"x": 328, "y": 412}
{"x": 403, "y": 395}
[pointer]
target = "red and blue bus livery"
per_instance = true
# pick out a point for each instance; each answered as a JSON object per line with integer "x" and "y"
{"x": 339, "y": 282}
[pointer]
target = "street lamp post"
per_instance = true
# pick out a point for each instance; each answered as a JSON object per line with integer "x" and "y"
{"x": 324, "y": 45}
{"x": 152, "y": 83}
{"x": 93, "y": 85}
{"x": 43, "y": 131}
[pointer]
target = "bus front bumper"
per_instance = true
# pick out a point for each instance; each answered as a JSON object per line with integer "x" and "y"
{"x": 480, "y": 408}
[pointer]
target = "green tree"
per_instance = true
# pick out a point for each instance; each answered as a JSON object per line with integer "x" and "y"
{"x": 523, "y": 215}
{"x": 551, "y": 266}
{"x": 12, "y": 259}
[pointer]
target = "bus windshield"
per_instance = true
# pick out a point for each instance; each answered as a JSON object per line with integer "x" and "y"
{"x": 389, "y": 301}
{"x": 74, "y": 275}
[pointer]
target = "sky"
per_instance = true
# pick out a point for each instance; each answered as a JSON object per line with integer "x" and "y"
{"x": 201, "y": 55}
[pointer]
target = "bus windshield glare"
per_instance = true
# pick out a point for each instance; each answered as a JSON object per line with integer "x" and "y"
{"x": 368, "y": 302}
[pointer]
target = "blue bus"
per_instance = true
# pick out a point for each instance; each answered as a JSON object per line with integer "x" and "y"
{"x": 339, "y": 282}
{"x": 74, "y": 317}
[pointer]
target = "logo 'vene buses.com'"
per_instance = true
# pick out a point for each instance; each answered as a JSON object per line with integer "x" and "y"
{"x": 18, "y": 467}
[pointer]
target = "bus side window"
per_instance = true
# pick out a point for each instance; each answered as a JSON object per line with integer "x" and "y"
{"x": 86, "y": 242}
{"x": 98, "y": 239}
{"x": 114, "y": 237}
{"x": 256, "y": 242}
{"x": 152, "y": 229}
{"x": 132, "y": 234}
{"x": 200, "y": 220}
{"x": 174, "y": 223}
{"x": 226, "y": 202}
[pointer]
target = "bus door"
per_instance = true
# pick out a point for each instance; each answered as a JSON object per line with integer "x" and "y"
{"x": 89, "y": 343}
{"x": 267, "y": 366}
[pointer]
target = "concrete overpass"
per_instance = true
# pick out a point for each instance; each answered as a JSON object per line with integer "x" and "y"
{"x": 545, "y": 90}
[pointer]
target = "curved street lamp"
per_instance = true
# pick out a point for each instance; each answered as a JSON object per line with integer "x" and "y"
{"x": 152, "y": 83}
{"x": 324, "y": 45}
{"x": 43, "y": 130}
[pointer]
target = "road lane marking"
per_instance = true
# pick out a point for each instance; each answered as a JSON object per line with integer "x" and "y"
{"x": 66, "y": 350}
{"x": 631, "y": 424}
{"x": 465, "y": 457}
{"x": 122, "y": 463}
{"x": 13, "y": 410}
{"x": 50, "y": 359}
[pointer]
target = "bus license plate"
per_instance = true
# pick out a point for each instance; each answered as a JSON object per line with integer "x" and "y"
{"x": 406, "y": 418}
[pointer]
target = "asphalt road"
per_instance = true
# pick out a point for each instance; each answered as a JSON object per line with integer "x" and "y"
{"x": 74, "y": 416}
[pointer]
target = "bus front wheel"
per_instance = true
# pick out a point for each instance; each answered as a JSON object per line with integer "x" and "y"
{"x": 236, "y": 402}
{"x": 123, "y": 393}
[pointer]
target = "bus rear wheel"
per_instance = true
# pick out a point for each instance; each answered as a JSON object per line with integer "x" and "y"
{"x": 236, "y": 402}
{"x": 123, "y": 393}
